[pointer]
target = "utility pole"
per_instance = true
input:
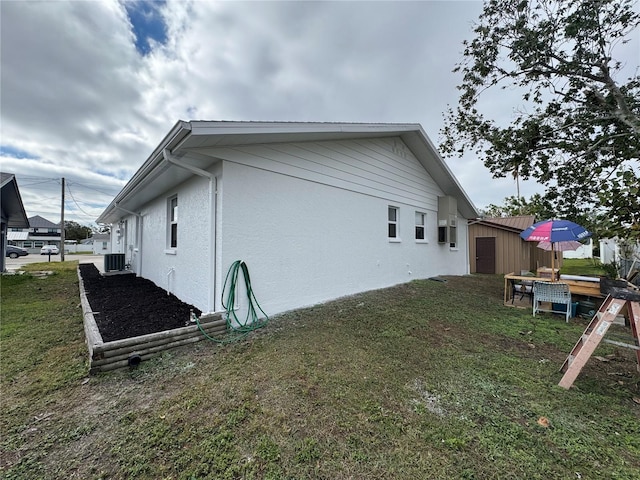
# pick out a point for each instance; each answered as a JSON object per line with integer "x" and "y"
{"x": 62, "y": 224}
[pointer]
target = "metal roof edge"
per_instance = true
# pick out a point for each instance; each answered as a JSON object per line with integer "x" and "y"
{"x": 206, "y": 127}
{"x": 500, "y": 226}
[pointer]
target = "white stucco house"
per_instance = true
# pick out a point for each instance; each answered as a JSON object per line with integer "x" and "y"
{"x": 316, "y": 210}
{"x": 100, "y": 243}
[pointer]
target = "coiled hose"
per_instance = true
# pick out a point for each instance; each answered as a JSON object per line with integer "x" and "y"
{"x": 238, "y": 329}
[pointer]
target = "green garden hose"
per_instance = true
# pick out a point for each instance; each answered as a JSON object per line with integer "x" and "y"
{"x": 237, "y": 329}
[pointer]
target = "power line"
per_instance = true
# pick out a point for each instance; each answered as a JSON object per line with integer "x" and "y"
{"x": 36, "y": 177}
{"x": 93, "y": 189}
{"x": 74, "y": 201}
{"x": 32, "y": 184}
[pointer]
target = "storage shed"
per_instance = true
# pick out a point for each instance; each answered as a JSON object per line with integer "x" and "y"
{"x": 495, "y": 246}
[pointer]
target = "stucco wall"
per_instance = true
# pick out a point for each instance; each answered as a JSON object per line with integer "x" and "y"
{"x": 184, "y": 271}
{"x": 310, "y": 220}
{"x": 306, "y": 242}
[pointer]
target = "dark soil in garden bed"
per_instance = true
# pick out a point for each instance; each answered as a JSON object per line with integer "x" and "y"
{"x": 128, "y": 306}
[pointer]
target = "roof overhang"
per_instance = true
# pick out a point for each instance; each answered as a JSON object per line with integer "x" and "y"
{"x": 11, "y": 203}
{"x": 17, "y": 236}
{"x": 158, "y": 175}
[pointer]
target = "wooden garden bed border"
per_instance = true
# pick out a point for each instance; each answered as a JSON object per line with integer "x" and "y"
{"x": 105, "y": 356}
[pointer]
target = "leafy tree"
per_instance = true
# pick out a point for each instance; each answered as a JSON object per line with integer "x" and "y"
{"x": 75, "y": 231}
{"x": 537, "y": 206}
{"x": 576, "y": 129}
{"x": 541, "y": 209}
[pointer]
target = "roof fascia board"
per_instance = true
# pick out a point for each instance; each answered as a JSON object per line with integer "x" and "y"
{"x": 248, "y": 128}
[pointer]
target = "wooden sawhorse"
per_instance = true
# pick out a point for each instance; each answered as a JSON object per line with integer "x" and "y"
{"x": 597, "y": 328}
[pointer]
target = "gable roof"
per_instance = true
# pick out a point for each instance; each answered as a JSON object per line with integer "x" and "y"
{"x": 39, "y": 222}
{"x": 11, "y": 202}
{"x": 517, "y": 223}
{"x": 162, "y": 174}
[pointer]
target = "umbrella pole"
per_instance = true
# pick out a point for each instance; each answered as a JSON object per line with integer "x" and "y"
{"x": 553, "y": 257}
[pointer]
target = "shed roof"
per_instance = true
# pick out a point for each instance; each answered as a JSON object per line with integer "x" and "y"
{"x": 516, "y": 223}
{"x": 157, "y": 174}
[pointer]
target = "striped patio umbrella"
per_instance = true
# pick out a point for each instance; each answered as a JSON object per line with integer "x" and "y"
{"x": 554, "y": 231}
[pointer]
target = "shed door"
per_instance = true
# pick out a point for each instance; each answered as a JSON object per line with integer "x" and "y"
{"x": 485, "y": 255}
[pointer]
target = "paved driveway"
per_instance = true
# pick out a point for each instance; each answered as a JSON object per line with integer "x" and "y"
{"x": 14, "y": 264}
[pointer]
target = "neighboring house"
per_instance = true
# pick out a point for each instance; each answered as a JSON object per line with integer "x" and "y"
{"x": 101, "y": 243}
{"x": 495, "y": 246}
{"x": 316, "y": 210}
{"x": 39, "y": 233}
{"x": 12, "y": 214}
{"x": 585, "y": 251}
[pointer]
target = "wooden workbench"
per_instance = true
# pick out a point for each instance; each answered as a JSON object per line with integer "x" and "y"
{"x": 577, "y": 287}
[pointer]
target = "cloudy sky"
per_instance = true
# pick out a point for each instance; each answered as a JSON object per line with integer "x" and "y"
{"x": 89, "y": 88}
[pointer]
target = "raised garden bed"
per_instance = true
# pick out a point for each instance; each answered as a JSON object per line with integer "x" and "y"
{"x": 128, "y": 319}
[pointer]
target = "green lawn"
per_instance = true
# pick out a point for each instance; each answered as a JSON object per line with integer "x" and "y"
{"x": 424, "y": 380}
{"x": 582, "y": 266}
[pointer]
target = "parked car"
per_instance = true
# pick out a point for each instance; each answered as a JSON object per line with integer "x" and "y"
{"x": 49, "y": 249}
{"x": 15, "y": 252}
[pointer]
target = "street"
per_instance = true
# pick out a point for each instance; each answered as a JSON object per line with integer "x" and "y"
{"x": 13, "y": 264}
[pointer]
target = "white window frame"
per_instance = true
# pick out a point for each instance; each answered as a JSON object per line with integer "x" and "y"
{"x": 395, "y": 222}
{"x": 423, "y": 225}
{"x": 453, "y": 235}
{"x": 172, "y": 223}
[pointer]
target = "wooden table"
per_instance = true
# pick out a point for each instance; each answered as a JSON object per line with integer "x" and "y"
{"x": 577, "y": 287}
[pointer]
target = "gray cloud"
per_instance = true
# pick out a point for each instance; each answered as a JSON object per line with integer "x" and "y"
{"x": 78, "y": 96}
